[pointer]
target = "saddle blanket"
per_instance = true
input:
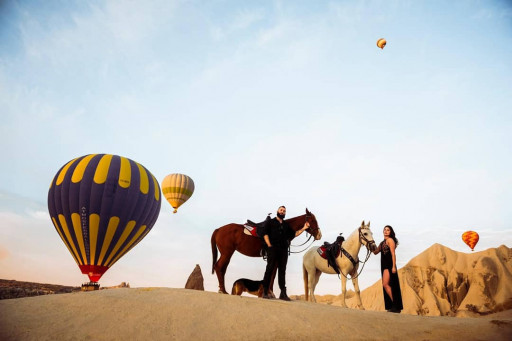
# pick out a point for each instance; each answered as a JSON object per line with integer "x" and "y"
{"x": 250, "y": 230}
{"x": 322, "y": 251}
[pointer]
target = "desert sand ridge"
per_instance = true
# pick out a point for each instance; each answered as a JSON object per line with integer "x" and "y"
{"x": 444, "y": 282}
{"x": 451, "y": 287}
{"x": 182, "y": 314}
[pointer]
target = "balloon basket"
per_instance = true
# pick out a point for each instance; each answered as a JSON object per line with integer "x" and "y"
{"x": 91, "y": 286}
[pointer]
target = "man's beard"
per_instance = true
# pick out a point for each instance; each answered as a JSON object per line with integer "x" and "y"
{"x": 281, "y": 216}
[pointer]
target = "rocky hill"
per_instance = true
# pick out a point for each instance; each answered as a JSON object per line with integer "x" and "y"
{"x": 17, "y": 289}
{"x": 444, "y": 282}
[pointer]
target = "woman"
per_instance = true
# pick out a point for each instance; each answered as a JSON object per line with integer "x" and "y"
{"x": 390, "y": 282}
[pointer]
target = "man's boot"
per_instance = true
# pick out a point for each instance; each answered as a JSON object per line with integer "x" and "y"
{"x": 283, "y": 295}
{"x": 265, "y": 294}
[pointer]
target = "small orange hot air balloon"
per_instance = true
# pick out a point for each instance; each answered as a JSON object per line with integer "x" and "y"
{"x": 470, "y": 238}
{"x": 381, "y": 43}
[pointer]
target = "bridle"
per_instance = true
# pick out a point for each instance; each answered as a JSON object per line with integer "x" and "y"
{"x": 368, "y": 247}
{"x": 362, "y": 237}
{"x": 312, "y": 231}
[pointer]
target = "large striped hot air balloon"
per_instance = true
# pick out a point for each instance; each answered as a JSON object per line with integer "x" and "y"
{"x": 177, "y": 188}
{"x": 470, "y": 238}
{"x": 102, "y": 205}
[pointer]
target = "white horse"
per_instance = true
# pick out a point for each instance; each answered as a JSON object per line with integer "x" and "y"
{"x": 313, "y": 264}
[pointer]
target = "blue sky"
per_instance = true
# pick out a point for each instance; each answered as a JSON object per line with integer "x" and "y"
{"x": 262, "y": 104}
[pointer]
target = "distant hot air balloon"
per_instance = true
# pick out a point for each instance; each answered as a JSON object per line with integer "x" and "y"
{"x": 177, "y": 189}
{"x": 470, "y": 238}
{"x": 381, "y": 43}
{"x": 102, "y": 205}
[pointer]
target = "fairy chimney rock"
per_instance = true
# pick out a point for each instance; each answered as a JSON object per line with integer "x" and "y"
{"x": 195, "y": 280}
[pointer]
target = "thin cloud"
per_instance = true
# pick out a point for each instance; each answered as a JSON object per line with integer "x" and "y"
{"x": 247, "y": 17}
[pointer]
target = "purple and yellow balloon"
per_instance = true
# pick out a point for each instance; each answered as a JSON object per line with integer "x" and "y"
{"x": 102, "y": 205}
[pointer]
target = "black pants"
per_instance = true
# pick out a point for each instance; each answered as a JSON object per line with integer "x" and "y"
{"x": 276, "y": 256}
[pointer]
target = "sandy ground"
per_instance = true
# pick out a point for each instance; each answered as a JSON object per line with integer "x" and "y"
{"x": 181, "y": 314}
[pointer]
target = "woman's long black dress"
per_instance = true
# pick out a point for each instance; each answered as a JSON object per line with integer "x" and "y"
{"x": 386, "y": 262}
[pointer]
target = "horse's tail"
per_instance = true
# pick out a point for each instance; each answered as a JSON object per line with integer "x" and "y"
{"x": 214, "y": 249}
{"x": 306, "y": 287}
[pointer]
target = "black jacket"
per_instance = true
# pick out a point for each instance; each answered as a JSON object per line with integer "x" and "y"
{"x": 278, "y": 234}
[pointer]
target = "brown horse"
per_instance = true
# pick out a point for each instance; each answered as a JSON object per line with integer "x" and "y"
{"x": 231, "y": 237}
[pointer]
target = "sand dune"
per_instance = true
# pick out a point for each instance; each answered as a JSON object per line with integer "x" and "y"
{"x": 182, "y": 314}
{"x": 453, "y": 288}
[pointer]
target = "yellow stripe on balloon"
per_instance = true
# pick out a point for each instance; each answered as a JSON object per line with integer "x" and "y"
{"x": 139, "y": 237}
{"x": 129, "y": 245}
{"x": 63, "y": 172}
{"x": 126, "y": 233}
{"x": 79, "y": 171}
{"x": 125, "y": 173}
{"x": 94, "y": 227}
{"x": 65, "y": 228}
{"x": 63, "y": 239}
{"x": 144, "y": 181}
{"x": 100, "y": 176}
{"x": 75, "y": 219}
{"x": 111, "y": 230}
{"x": 176, "y": 190}
{"x": 157, "y": 188}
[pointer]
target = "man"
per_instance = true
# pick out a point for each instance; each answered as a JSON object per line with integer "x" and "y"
{"x": 277, "y": 235}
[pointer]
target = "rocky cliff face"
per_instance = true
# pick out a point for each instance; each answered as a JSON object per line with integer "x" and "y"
{"x": 443, "y": 282}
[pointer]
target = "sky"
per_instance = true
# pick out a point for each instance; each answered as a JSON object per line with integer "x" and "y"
{"x": 262, "y": 103}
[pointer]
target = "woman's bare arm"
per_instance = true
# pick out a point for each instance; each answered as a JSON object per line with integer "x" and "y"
{"x": 376, "y": 251}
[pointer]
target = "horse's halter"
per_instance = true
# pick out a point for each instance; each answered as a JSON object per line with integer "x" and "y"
{"x": 362, "y": 237}
{"x": 312, "y": 231}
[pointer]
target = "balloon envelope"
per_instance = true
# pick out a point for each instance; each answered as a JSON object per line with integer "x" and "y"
{"x": 381, "y": 43}
{"x": 470, "y": 238}
{"x": 177, "y": 189}
{"x": 102, "y": 205}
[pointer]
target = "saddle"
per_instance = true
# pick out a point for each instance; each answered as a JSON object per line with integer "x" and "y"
{"x": 331, "y": 251}
{"x": 256, "y": 229}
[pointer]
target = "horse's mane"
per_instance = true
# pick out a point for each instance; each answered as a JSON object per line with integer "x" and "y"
{"x": 355, "y": 232}
{"x": 291, "y": 222}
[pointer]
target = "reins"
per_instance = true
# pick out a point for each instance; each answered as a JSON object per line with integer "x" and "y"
{"x": 307, "y": 240}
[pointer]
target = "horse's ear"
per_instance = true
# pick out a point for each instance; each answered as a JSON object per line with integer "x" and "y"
{"x": 307, "y": 211}
{"x": 362, "y": 224}
{"x": 368, "y": 223}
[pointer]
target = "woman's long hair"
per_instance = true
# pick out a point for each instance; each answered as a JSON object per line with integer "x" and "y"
{"x": 392, "y": 234}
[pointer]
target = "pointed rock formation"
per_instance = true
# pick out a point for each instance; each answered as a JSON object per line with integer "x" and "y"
{"x": 195, "y": 280}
